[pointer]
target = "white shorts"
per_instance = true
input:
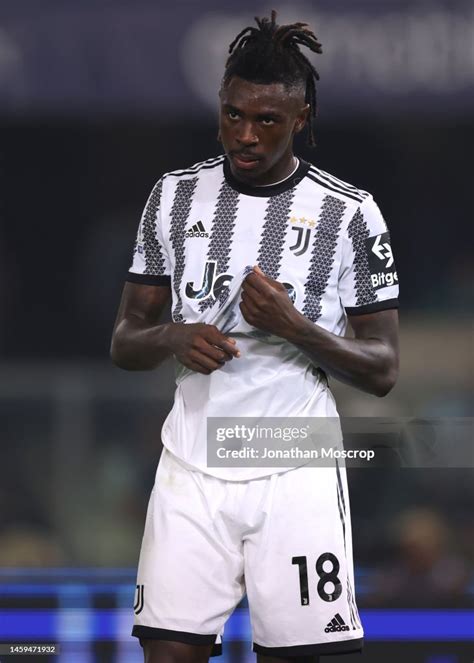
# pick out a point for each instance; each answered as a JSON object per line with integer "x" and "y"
{"x": 285, "y": 540}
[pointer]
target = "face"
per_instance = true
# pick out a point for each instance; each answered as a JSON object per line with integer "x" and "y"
{"x": 257, "y": 125}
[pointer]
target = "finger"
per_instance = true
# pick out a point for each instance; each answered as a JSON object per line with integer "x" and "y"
{"x": 263, "y": 284}
{"x": 227, "y": 355}
{"x": 244, "y": 310}
{"x": 230, "y": 348}
{"x": 258, "y": 271}
{"x": 204, "y": 361}
{"x": 212, "y": 351}
{"x": 247, "y": 313}
{"x": 256, "y": 287}
{"x": 252, "y": 278}
{"x": 252, "y": 307}
{"x": 219, "y": 340}
{"x": 197, "y": 368}
{"x": 253, "y": 299}
{"x": 217, "y": 346}
{"x": 267, "y": 279}
{"x": 194, "y": 366}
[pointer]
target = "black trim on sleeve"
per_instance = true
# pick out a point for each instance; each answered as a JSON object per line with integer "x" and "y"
{"x": 373, "y": 307}
{"x": 149, "y": 279}
{"x": 149, "y": 633}
{"x": 326, "y": 648}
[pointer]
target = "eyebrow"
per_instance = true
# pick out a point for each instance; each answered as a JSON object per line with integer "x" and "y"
{"x": 265, "y": 112}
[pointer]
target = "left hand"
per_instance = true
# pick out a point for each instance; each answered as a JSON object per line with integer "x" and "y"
{"x": 266, "y": 305}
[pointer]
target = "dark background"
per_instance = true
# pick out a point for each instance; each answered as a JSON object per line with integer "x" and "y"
{"x": 75, "y": 189}
{"x": 97, "y": 100}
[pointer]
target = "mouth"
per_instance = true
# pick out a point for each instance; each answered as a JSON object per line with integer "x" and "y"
{"x": 244, "y": 161}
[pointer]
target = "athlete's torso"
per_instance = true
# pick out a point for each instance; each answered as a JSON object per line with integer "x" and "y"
{"x": 320, "y": 237}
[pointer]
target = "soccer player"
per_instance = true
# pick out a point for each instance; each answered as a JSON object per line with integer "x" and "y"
{"x": 265, "y": 259}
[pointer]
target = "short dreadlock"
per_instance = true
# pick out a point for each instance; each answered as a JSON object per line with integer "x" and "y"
{"x": 271, "y": 54}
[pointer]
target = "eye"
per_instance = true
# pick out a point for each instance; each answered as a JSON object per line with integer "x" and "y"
{"x": 267, "y": 121}
{"x": 232, "y": 115}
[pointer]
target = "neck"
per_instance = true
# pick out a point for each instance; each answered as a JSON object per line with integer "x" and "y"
{"x": 279, "y": 172}
{"x": 296, "y": 163}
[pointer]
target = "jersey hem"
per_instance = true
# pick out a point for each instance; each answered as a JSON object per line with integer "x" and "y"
{"x": 150, "y": 633}
{"x": 372, "y": 308}
{"x": 223, "y": 476}
{"x": 336, "y": 647}
{"x": 149, "y": 279}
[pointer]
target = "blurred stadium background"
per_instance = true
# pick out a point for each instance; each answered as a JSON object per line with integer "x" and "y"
{"x": 97, "y": 100}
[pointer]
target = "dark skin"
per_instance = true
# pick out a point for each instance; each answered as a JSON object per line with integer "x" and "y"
{"x": 260, "y": 122}
{"x": 140, "y": 343}
{"x": 369, "y": 361}
{"x": 257, "y": 127}
{"x": 163, "y": 651}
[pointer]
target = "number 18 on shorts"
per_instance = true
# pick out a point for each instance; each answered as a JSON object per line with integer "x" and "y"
{"x": 284, "y": 540}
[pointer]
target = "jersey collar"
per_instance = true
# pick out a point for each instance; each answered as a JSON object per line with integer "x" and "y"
{"x": 271, "y": 189}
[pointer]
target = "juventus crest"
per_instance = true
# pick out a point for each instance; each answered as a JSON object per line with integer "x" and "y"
{"x": 139, "y": 602}
{"x": 302, "y": 241}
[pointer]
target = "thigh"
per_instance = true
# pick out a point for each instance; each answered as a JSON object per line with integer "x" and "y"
{"x": 298, "y": 568}
{"x": 161, "y": 651}
{"x": 190, "y": 574}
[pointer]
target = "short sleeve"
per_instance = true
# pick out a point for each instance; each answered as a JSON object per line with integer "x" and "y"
{"x": 151, "y": 264}
{"x": 368, "y": 280}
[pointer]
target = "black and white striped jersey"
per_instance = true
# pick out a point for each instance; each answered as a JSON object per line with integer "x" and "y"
{"x": 324, "y": 239}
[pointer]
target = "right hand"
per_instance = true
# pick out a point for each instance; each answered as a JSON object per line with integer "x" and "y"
{"x": 200, "y": 347}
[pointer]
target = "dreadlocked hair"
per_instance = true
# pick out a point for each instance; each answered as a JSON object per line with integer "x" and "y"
{"x": 271, "y": 54}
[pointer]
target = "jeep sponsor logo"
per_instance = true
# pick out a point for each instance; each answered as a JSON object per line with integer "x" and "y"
{"x": 211, "y": 283}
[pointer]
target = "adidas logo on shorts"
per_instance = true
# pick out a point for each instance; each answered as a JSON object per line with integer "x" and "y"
{"x": 336, "y": 624}
{"x": 197, "y": 230}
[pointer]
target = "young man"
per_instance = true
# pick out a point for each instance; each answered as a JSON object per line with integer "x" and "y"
{"x": 321, "y": 256}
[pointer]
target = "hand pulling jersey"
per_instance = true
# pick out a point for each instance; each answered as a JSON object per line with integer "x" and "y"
{"x": 200, "y": 233}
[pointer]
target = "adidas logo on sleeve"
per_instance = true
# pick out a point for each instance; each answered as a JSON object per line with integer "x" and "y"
{"x": 197, "y": 230}
{"x": 336, "y": 624}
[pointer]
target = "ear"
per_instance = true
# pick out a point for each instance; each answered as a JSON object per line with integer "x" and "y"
{"x": 219, "y": 139}
{"x": 301, "y": 119}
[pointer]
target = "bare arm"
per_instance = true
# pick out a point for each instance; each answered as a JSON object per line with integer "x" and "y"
{"x": 369, "y": 361}
{"x": 140, "y": 343}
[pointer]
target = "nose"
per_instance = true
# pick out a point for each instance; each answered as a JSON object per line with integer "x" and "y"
{"x": 247, "y": 134}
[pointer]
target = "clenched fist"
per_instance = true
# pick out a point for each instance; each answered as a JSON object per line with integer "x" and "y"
{"x": 266, "y": 304}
